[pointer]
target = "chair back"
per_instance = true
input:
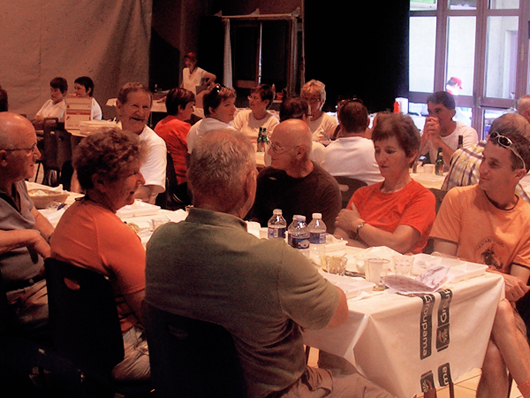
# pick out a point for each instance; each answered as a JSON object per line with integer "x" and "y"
{"x": 439, "y": 195}
{"x": 347, "y": 187}
{"x": 169, "y": 199}
{"x": 191, "y": 358}
{"x": 57, "y": 148}
{"x": 84, "y": 321}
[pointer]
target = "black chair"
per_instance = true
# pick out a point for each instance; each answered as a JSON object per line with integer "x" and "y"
{"x": 85, "y": 327}
{"x": 56, "y": 150}
{"x": 20, "y": 357}
{"x": 175, "y": 196}
{"x": 191, "y": 358}
{"x": 347, "y": 187}
{"x": 439, "y": 195}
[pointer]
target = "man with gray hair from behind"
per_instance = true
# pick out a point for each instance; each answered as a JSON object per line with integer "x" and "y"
{"x": 263, "y": 292}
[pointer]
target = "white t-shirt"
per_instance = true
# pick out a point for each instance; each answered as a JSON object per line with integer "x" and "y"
{"x": 249, "y": 125}
{"x": 190, "y": 81}
{"x": 154, "y": 167}
{"x": 352, "y": 157}
{"x": 96, "y": 110}
{"x": 321, "y": 126}
{"x": 49, "y": 109}
{"x": 470, "y": 138}
{"x": 201, "y": 127}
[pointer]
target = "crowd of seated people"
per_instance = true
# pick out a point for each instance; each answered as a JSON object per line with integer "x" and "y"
{"x": 213, "y": 155}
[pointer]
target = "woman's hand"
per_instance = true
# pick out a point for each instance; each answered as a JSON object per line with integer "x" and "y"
{"x": 348, "y": 219}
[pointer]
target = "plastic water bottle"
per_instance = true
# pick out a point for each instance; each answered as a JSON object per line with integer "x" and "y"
{"x": 317, "y": 237}
{"x": 298, "y": 235}
{"x": 277, "y": 225}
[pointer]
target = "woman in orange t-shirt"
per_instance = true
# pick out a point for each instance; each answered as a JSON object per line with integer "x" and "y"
{"x": 398, "y": 212}
{"x": 91, "y": 235}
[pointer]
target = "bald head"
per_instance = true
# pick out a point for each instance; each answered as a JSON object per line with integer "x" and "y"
{"x": 13, "y": 128}
{"x": 294, "y": 132}
{"x": 18, "y": 149}
{"x": 290, "y": 148}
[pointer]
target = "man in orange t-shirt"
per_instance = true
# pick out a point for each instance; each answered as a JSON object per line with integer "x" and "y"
{"x": 488, "y": 223}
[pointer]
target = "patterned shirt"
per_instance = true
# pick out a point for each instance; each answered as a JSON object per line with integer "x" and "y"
{"x": 464, "y": 166}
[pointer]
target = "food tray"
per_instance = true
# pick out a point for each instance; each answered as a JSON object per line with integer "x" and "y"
{"x": 137, "y": 209}
{"x": 352, "y": 287}
{"x": 42, "y": 198}
{"x": 465, "y": 270}
{"x": 458, "y": 270}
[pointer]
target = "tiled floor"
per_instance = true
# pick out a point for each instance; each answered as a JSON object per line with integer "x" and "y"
{"x": 465, "y": 387}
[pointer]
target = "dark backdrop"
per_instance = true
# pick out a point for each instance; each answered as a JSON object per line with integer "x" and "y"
{"x": 359, "y": 49}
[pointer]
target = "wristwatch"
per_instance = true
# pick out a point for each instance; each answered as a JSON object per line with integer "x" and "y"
{"x": 359, "y": 226}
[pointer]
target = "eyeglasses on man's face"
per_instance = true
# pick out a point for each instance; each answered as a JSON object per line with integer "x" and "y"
{"x": 30, "y": 151}
{"x": 276, "y": 148}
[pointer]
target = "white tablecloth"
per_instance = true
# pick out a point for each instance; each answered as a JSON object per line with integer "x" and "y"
{"x": 428, "y": 180}
{"x": 401, "y": 342}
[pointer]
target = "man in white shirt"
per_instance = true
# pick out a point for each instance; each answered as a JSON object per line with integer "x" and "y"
{"x": 441, "y": 131}
{"x": 352, "y": 154}
{"x": 133, "y": 107}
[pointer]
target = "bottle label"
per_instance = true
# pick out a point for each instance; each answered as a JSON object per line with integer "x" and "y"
{"x": 300, "y": 242}
{"x": 317, "y": 238}
{"x": 276, "y": 233}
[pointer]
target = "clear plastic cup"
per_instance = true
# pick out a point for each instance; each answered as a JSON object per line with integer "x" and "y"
{"x": 403, "y": 265}
{"x": 375, "y": 271}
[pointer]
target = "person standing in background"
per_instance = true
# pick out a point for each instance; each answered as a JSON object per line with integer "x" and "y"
{"x": 193, "y": 76}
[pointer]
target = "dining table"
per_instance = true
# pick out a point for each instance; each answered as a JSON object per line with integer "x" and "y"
{"x": 408, "y": 344}
{"x": 428, "y": 180}
{"x": 405, "y": 343}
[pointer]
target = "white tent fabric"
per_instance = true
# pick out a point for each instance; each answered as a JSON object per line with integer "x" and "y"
{"x": 42, "y": 39}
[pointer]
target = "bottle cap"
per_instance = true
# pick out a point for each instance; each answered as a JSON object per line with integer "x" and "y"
{"x": 300, "y": 218}
{"x": 317, "y": 215}
{"x": 277, "y": 211}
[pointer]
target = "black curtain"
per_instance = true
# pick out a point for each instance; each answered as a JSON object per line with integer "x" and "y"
{"x": 359, "y": 49}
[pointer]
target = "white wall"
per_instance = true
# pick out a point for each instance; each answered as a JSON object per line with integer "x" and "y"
{"x": 42, "y": 39}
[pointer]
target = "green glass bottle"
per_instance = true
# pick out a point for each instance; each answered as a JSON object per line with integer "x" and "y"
{"x": 439, "y": 165}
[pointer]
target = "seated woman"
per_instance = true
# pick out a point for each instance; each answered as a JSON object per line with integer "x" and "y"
{"x": 90, "y": 234}
{"x": 314, "y": 92}
{"x": 173, "y": 129}
{"x": 250, "y": 120}
{"x": 219, "y": 111}
{"x": 84, "y": 87}
{"x": 55, "y": 106}
{"x": 398, "y": 212}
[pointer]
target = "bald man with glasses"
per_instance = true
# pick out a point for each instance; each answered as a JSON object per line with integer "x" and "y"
{"x": 293, "y": 182}
{"x": 24, "y": 232}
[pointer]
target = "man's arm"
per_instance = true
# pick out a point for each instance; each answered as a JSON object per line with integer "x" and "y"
{"x": 515, "y": 283}
{"x": 445, "y": 247}
{"x": 341, "y": 313}
{"x": 31, "y": 238}
{"x": 42, "y": 224}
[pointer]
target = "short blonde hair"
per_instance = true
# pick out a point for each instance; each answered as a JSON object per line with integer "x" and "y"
{"x": 315, "y": 87}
